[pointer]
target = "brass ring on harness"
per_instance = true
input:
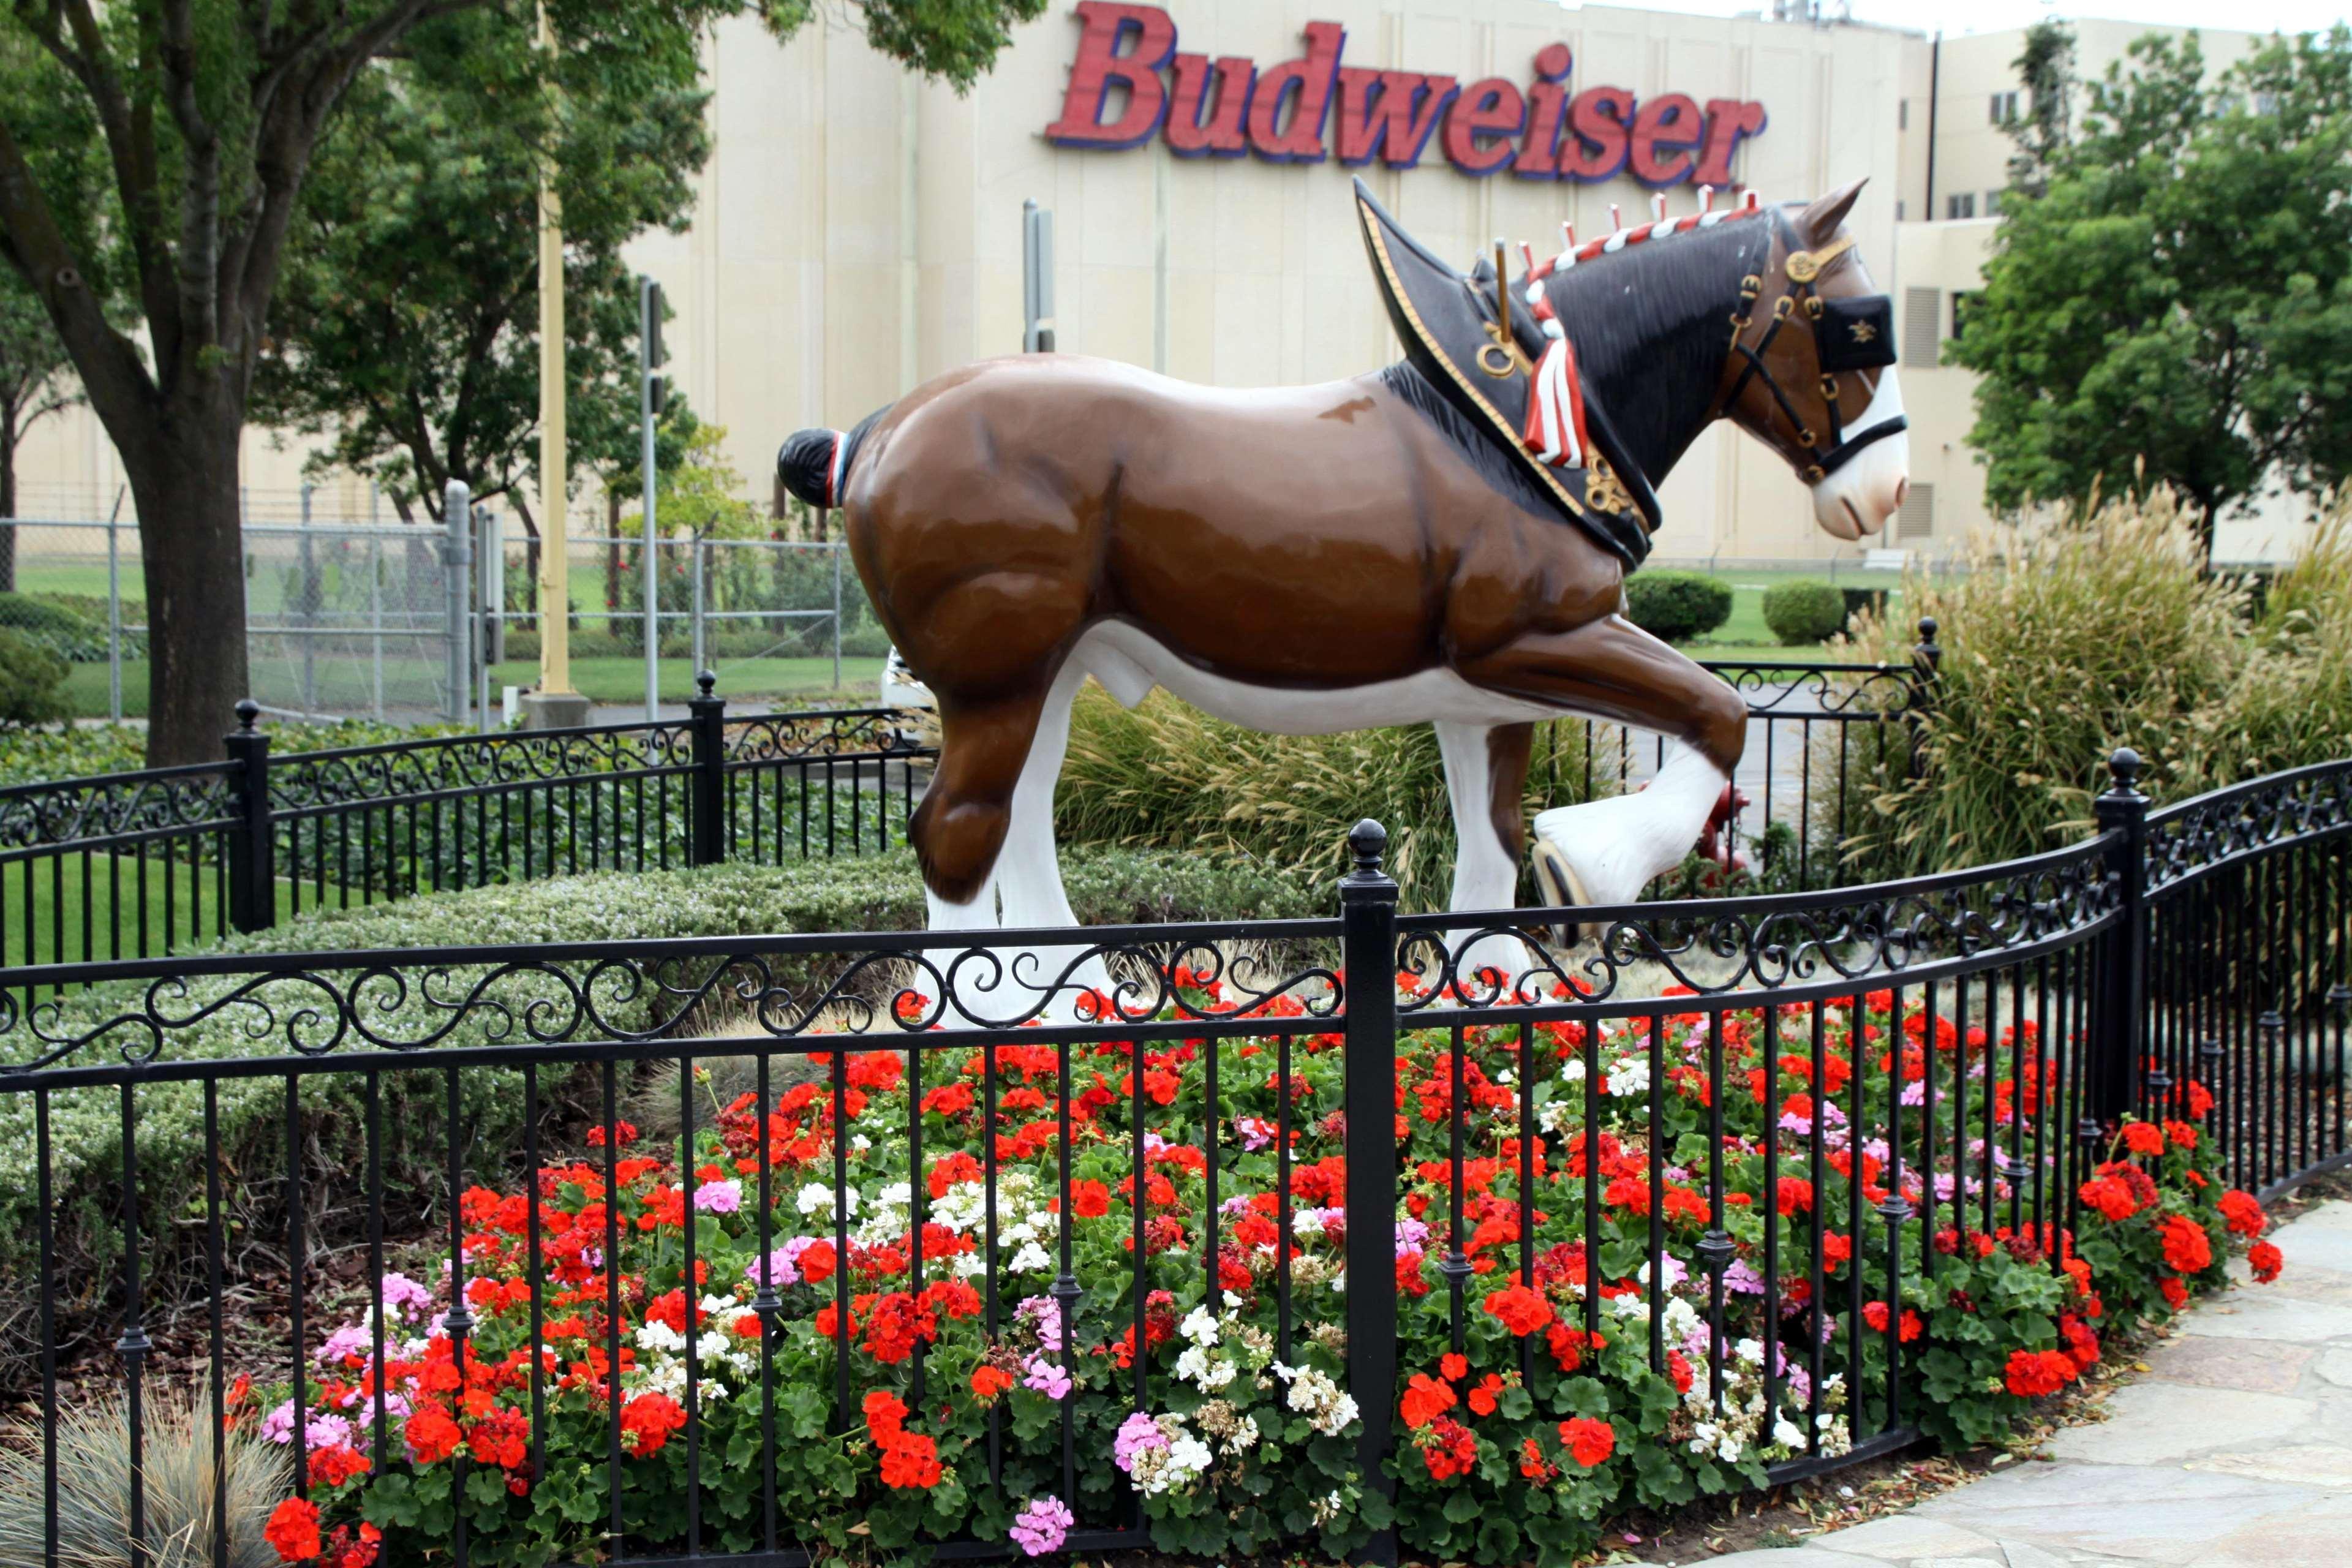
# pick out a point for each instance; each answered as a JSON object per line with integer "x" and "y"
{"x": 1502, "y": 365}
{"x": 1829, "y": 386}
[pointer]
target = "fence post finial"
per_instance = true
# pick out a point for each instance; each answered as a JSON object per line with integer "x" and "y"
{"x": 1368, "y": 902}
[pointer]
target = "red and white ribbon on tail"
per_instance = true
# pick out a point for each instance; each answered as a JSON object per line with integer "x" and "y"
{"x": 1555, "y": 430}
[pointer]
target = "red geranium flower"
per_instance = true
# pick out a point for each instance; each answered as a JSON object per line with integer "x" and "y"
{"x": 2242, "y": 1212}
{"x": 2140, "y": 1138}
{"x": 1450, "y": 1449}
{"x": 1425, "y": 1399}
{"x": 910, "y": 1462}
{"x": 2185, "y": 1245}
{"x": 647, "y": 1422}
{"x": 2265, "y": 1259}
{"x": 1589, "y": 1442}
{"x": 2032, "y": 1374}
{"x": 1519, "y": 1309}
{"x": 293, "y": 1529}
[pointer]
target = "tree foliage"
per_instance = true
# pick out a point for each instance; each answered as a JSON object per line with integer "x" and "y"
{"x": 209, "y": 114}
{"x": 2045, "y": 67}
{"x": 407, "y": 325}
{"x": 2175, "y": 307}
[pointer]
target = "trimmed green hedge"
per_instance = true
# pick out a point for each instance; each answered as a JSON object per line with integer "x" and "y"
{"x": 872, "y": 893}
{"x": 1805, "y": 610}
{"x": 1676, "y": 607}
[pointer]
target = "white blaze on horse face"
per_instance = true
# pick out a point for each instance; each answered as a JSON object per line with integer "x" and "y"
{"x": 1860, "y": 497}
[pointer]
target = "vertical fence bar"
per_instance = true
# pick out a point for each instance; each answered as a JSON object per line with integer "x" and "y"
{"x": 1368, "y": 900}
{"x": 2123, "y": 979}
{"x": 837, "y": 548}
{"x": 252, "y": 843}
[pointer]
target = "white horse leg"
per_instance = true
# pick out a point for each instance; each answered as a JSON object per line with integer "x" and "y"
{"x": 1029, "y": 871}
{"x": 1610, "y": 848}
{"x": 1486, "y": 869}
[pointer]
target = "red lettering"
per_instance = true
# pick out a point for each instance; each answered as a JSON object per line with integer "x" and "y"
{"x": 1100, "y": 64}
{"x": 1728, "y": 119}
{"x": 1490, "y": 108}
{"x": 1388, "y": 114}
{"x": 1222, "y": 134}
{"x": 1599, "y": 116}
{"x": 1539, "y": 156}
{"x": 1665, "y": 133}
{"x": 1306, "y": 83}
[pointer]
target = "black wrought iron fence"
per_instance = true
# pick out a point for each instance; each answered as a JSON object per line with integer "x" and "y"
{"x": 152, "y": 863}
{"x": 752, "y": 1250}
{"x": 131, "y": 865}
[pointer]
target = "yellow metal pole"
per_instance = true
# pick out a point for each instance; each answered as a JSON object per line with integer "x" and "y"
{"x": 554, "y": 566}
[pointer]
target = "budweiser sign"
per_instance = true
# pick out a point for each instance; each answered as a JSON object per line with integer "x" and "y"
{"x": 1131, "y": 83}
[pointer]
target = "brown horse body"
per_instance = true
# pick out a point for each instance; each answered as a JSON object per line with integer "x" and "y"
{"x": 1302, "y": 560}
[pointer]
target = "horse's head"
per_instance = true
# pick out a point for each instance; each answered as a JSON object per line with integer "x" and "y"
{"x": 1812, "y": 369}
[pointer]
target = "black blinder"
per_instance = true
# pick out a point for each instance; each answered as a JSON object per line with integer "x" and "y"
{"x": 1857, "y": 333}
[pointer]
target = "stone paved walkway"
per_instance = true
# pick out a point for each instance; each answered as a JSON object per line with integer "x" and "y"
{"x": 2233, "y": 1450}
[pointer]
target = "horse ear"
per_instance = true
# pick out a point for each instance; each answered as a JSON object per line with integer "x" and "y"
{"x": 1819, "y": 221}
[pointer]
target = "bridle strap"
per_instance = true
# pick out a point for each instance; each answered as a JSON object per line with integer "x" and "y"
{"x": 1801, "y": 268}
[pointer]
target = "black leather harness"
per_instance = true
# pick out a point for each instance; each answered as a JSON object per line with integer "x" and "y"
{"x": 1853, "y": 334}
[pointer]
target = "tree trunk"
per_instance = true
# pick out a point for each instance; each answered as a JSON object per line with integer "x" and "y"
{"x": 183, "y": 479}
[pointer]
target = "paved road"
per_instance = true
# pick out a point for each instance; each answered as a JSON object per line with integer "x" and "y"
{"x": 2234, "y": 1451}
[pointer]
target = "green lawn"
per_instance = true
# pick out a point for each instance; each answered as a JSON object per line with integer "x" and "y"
{"x": 607, "y": 679}
{"x": 622, "y": 679}
{"x": 1745, "y": 637}
{"x": 185, "y": 913}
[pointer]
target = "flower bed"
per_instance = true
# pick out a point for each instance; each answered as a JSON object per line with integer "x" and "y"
{"x": 927, "y": 1374}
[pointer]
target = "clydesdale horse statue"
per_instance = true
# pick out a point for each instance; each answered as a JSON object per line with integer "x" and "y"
{"x": 1444, "y": 541}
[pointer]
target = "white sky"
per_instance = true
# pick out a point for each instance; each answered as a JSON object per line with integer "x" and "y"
{"x": 1991, "y": 15}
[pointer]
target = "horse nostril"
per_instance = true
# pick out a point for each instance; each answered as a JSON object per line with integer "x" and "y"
{"x": 1902, "y": 488}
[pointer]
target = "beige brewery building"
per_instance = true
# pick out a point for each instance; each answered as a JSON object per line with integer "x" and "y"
{"x": 858, "y": 231}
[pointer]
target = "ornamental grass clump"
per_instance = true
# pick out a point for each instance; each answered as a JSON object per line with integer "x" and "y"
{"x": 94, "y": 1488}
{"x": 2097, "y": 630}
{"x": 1167, "y": 775}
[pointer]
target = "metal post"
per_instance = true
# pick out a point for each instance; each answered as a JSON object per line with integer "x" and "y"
{"x": 2116, "y": 1040}
{"x": 649, "y": 404}
{"x": 488, "y": 558}
{"x": 697, "y": 544}
{"x": 708, "y": 726}
{"x": 375, "y": 614}
{"x": 252, "y": 846}
{"x": 457, "y": 572}
{"x": 1037, "y": 279}
{"x": 836, "y": 615}
{"x": 1368, "y": 902}
{"x": 308, "y": 619}
{"x": 114, "y": 620}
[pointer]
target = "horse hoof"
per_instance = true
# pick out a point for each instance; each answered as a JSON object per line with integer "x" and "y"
{"x": 1560, "y": 887}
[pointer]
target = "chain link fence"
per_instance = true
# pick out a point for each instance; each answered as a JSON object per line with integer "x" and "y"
{"x": 406, "y": 622}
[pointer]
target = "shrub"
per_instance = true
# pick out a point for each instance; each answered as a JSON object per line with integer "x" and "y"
{"x": 1676, "y": 607}
{"x": 1168, "y": 776}
{"x": 1804, "y": 610}
{"x": 60, "y": 628}
{"x": 94, "y": 1488}
{"x": 32, "y": 683}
